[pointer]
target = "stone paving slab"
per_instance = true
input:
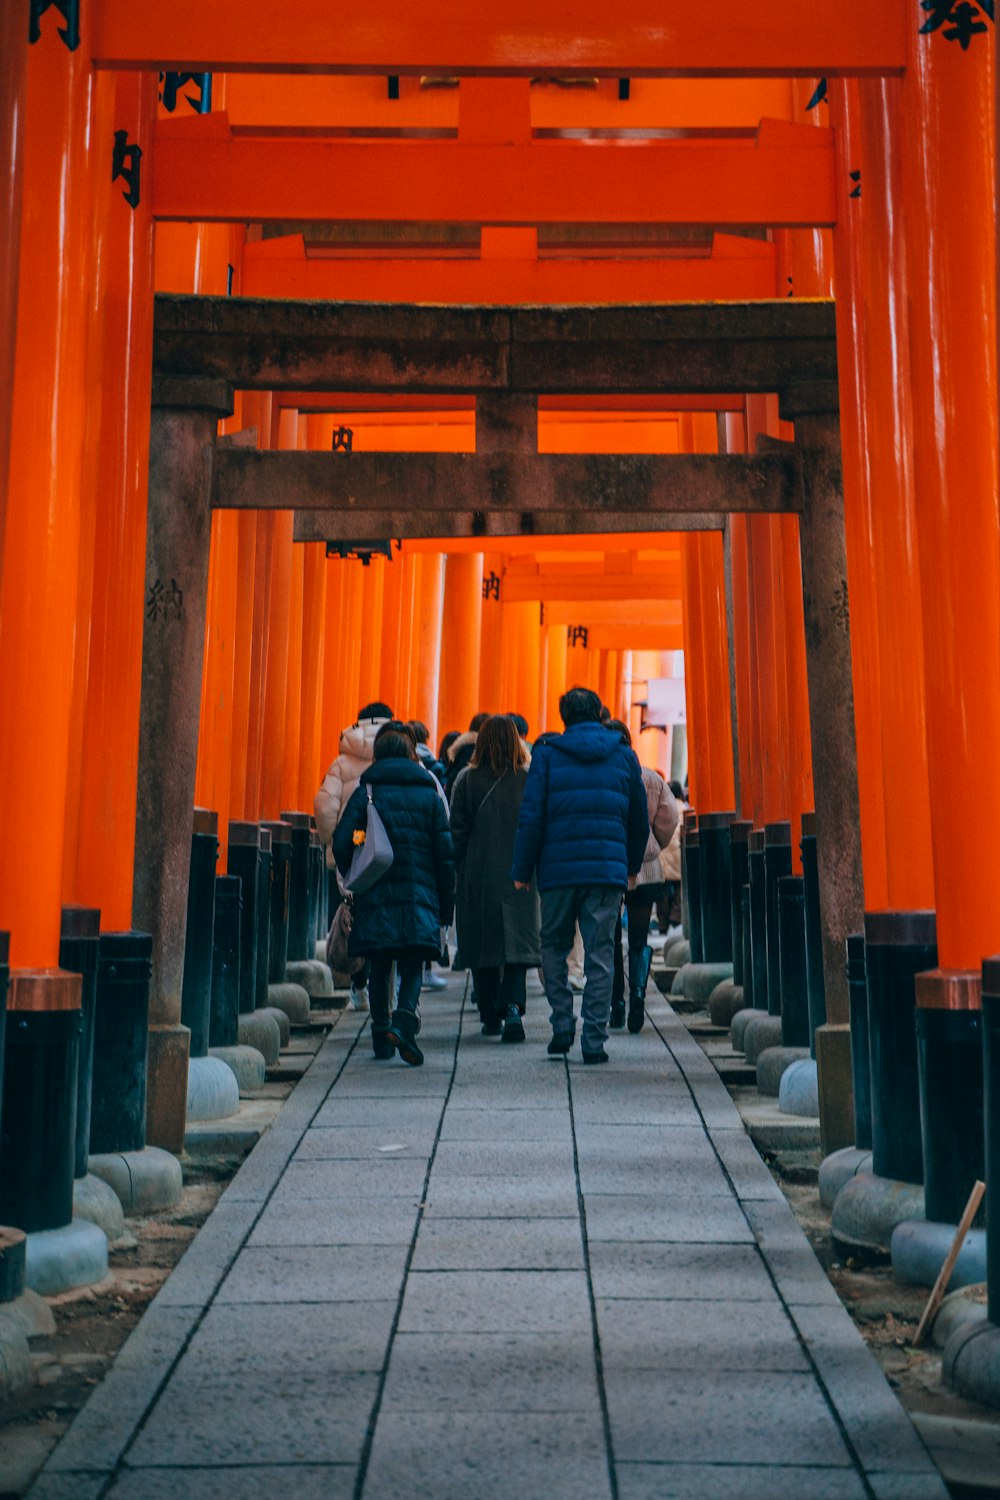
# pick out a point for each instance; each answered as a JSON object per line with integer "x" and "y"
{"x": 601, "y": 1279}
{"x": 698, "y": 1336}
{"x": 500, "y": 1372}
{"x": 464, "y": 1455}
{"x": 638, "y": 1481}
{"x": 696, "y": 1272}
{"x": 314, "y": 1273}
{"x": 499, "y": 1245}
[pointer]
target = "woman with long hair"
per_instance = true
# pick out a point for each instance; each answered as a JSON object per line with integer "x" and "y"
{"x": 644, "y": 891}
{"x": 401, "y": 916}
{"x": 497, "y": 925}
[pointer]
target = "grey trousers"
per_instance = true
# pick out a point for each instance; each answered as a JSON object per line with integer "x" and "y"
{"x": 595, "y": 907}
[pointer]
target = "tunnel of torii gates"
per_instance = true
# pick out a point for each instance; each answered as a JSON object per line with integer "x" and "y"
{"x": 635, "y": 337}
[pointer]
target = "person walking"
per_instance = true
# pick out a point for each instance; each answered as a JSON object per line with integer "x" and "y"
{"x": 497, "y": 924}
{"x": 354, "y": 756}
{"x": 643, "y": 892}
{"x": 401, "y": 917}
{"x": 459, "y": 752}
{"x": 584, "y": 828}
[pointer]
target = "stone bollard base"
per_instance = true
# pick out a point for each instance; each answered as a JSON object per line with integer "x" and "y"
{"x": 868, "y": 1208}
{"x": 246, "y": 1065}
{"x": 60, "y": 1259}
{"x": 772, "y": 1065}
{"x": 838, "y": 1168}
{"x": 213, "y": 1093}
{"x": 762, "y": 1032}
{"x": 798, "y": 1091}
{"x": 738, "y": 1026}
{"x": 95, "y": 1201}
{"x": 959, "y": 1310}
{"x": 315, "y": 977}
{"x": 145, "y": 1181}
{"x": 920, "y": 1248}
{"x": 971, "y": 1364}
{"x": 259, "y": 1029}
{"x": 292, "y": 999}
{"x": 725, "y": 1001}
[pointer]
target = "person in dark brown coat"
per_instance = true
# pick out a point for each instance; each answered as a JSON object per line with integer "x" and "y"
{"x": 497, "y": 924}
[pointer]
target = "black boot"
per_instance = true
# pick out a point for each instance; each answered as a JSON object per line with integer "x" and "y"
{"x": 382, "y": 1047}
{"x": 403, "y": 1036}
{"x": 637, "y": 983}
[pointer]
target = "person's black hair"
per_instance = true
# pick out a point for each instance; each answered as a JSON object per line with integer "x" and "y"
{"x": 447, "y": 741}
{"x": 677, "y": 789}
{"x": 520, "y": 723}
{"x": 476, "y": 723}
{"x": 395, "y": 741}
{"x": 621, "y": 728}
{"x": 375, "y": 711}
{"x": 605, "y": 714}
{"x": 580, "y": 706}
{"x": 421, "y": 731}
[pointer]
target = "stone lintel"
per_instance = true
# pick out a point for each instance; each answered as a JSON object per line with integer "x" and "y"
{"x": 808, "y": 398}
{"x": 193, "y": 393}
{"x": 266, "y": 344}
{"x": 413, "y": 525}
{"x": 602, "y": 484}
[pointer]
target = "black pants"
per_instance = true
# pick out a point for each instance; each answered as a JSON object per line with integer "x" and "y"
{"x": 379, "y": 1000}
{"x": 497, "y": 995}
{"x": 639, "y": 916}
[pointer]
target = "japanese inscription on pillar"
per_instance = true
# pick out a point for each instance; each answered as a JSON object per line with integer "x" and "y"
{"x": 126, "y": 161}
{"x": 164, "y": 602}
{"x": 70, "y": 12}
{"x": 957, "y": 20}
{"x": 201, "y": 102}
{"x": 491, "y": 586}
{"x": 577, "y": 635}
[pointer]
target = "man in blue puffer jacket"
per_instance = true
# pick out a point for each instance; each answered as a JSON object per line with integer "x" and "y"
{"x": 583, "y": 827}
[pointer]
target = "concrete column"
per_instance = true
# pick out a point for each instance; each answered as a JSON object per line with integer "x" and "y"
{"x": 831, "y": 695}
{"x": 184, "y": 419}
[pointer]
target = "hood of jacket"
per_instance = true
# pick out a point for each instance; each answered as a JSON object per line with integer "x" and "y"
{"x": 396, "y": 771}
{"x": 586, "y": 742}
{"x": 359, "y": 739}
{"x": 464, "y": 741}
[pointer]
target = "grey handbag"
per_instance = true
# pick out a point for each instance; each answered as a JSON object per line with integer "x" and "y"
{"x": 372, "y": 858}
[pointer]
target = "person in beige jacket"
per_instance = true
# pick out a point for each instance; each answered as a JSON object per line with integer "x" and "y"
{"x": 356, "y": 754}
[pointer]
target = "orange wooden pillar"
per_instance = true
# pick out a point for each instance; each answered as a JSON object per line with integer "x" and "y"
{"x": 99, "y": 872}
{"x": 293, "y": 682}
{"x": 885, "y": 291}
{"x": 406, "y": 655}
{"x": 461, "y": 638}
{"x": 859, "y": 518}
{"x": 314, "y": 683}
{"x": 390, "y": 665}
{"x": 555, "y": 675}
{"x": 526, "y": 696}
{"x": 715, "y": 645}
{"x": 275, "y": 628}
{"x": 38, "y": 605}
{"x": 336, "y": 714}
{"x": 429, "y": 602}
{"x": 256, "y": 414}
{"x": 946, "y": 102}
{"x": 13, "y": 81}
{"x": 490, "y": 641}
{"x": 372, "y": 599}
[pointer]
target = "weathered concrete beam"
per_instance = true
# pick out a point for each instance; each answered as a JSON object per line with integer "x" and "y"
{"x": 540, "y": 483}
{"x": 264, "y": 344}
{"x": 403, "y": 525}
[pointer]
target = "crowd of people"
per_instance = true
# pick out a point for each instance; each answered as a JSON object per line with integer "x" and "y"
{"x": 533, "y": 850}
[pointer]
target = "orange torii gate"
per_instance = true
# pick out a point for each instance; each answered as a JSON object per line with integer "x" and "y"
{"x": 506, "y": 357}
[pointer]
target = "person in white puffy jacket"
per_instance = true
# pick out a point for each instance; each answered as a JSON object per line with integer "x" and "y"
{"x": 356, "y": 753}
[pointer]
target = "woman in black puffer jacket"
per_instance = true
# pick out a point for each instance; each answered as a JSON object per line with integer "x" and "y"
{"x": 400, "y": 918}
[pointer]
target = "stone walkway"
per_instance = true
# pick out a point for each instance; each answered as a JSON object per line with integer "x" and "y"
{"x": 498, "y": 1277}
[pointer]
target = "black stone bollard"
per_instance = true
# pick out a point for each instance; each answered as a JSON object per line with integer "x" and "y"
{"x": 758, "y": 920}
{"x": 777, "y": 864}
{"x": 792, "y": 962}
{"x": 196, "y": 993}
{"x": 298, "y": 886}
{"x": 991, "y": 1092}
{"x": 38, "y": 1129}
{"x": 4, "y": 979}
{"x": 739, "y": 874}
{"x": 950, "y": 1052}
{"x": 80, "y": 953}
{"x": 746, "y": 944}
{"x": 226, "y": 945}
{"x": 861, "y": 1070}
{"x": 689, "y": 821}
{"x": 317, "y": 891}
{"x": 244, "y": 864}
{"x": 898, "y": 946}
{"x": 281, "y": 869}
{"x": 814, "y": 929}
{"x": 261, "y": 979}
{"x": 716, "y": 894}
{"x": 121, "y": 1031}
{"x": 692, "y": 881}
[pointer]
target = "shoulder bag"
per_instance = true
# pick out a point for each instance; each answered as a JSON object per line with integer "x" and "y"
{"x": 374, "y": 857}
